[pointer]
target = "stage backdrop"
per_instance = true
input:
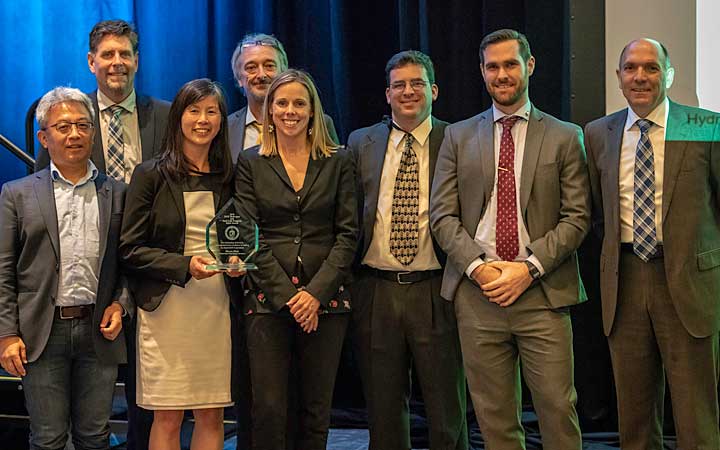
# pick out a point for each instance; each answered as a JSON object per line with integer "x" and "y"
{"x": 344, "y": 45}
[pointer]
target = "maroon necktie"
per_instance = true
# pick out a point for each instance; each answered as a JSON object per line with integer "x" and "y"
{"x": 506, "y": 229}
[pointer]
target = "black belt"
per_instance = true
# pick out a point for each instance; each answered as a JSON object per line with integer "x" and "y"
{"x": 405, "y": 277}
{"x": 75, "y": 312}
{"x": 627, "y": 247}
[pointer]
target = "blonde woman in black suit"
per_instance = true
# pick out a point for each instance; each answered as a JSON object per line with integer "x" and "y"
{"x": 298, "y": 186}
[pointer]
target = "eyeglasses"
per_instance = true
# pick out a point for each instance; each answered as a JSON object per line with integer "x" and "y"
{"x": 416, "y": 85}
{"x": 65, "y": 127}
{"x": 265, "y": 42}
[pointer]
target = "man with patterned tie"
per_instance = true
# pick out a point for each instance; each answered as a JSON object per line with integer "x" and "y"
{"x": 399, "y": 318}
{"x": 510, "y": 205}
{"x": 130, "y": 130}
{"x": 655, "y": 181}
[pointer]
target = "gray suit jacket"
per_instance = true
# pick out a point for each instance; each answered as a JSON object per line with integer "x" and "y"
{"x": 236, "y": 131}
{"x": 369, "y": 145}
{"x": 152, "y": 119}
{"x": 690, "y": 213}
{"x": 30, "y": 262}
{"x": 554, "y": 199}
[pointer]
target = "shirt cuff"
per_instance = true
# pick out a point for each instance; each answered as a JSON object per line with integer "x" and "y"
{"x": 474, "y": 265}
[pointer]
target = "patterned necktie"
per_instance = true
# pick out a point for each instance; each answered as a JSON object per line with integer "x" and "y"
{"x": 506, "y": 227}
{"x": 258, "y": 128}
{"x": 405, "y": 206}
{"x": 115, "y": 155}
{"x": 644, "y": 235}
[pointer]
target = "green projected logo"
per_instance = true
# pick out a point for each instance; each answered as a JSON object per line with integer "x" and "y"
{"x": 694, "y": 125}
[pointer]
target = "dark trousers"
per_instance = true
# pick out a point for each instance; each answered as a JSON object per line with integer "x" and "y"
{"x": 241, "y": 390}
{"x": 396, "y": 326}
{"x": 274, "y": 341}
{"x": 647, "y": 343}
{"x": 139, "y": 420}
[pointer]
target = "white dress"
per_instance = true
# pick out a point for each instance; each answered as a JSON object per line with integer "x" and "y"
{"x": 184, "y": 347}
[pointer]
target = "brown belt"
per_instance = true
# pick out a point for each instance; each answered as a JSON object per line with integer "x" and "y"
{"x": 75, "y": 312}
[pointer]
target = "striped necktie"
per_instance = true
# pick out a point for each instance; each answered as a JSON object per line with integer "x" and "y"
{"x": 644, "y": 233}
{"x": 115, "y": 151}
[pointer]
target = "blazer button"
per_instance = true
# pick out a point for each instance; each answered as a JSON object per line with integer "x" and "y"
{"x": 296, "y": 240}
{"x": 296, "y": 217}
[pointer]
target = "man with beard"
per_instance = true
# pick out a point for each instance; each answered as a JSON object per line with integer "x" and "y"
{"x": 510, "y": 205}
{"x": 131, "y": 127}
{"x": 655, "y": 181}
{"x": 256, "y": 61}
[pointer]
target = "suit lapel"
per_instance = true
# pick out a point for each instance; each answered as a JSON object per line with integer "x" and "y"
{"x": 277, "y": 166}
{"x": 176, "y": 192}
{"x": 147, "y": 126}
{"x": 98, "y": 155}
{"x": 674, "y": 152}
{"x": 533, "y": 142}
{"x": 46, "y": 202}
{"x": 611, "y": 178}
{"x": 373, "y": 154}
{"x": 313, "y": 169}
{"x": 486, "y": 147}
{"x": 104, "y": 199}
{"x": 436, "y": 137}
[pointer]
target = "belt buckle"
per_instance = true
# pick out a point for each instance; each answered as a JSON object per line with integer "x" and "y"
{"x": 399, "y": 279}
{"x": 62, "y": 316}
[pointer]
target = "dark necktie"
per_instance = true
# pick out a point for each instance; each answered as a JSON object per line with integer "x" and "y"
{"x": 405, "y": 206}
{"x": 644, "y": 233}
{"x": 506, "y": 226}
{"x": 115, "y": 155}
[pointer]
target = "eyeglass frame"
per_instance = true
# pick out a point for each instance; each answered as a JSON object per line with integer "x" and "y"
{"x": 71, "y": 125}
{"x": 417, "y": 85}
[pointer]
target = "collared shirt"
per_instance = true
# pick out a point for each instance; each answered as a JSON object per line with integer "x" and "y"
{"x": 378, "y": 254}
{"x": 251, "y": 132}
{"x": 78, "y": 230}
{"x": 132, "y": 147}
{"x": 626, "y": 188}
{"x": 485, "y": 232}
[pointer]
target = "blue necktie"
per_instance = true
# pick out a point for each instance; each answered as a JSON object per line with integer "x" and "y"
{"x": 644, "y": 233}
{"x": 115, "y": 155}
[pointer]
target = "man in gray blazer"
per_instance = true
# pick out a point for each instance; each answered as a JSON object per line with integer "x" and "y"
{"x": 510, "y": 205}
{"x": 257, "y": 60}
{"x": 399, "y": 318}
{"x": 655, "y": 177}
{"x": 61, "y": 299}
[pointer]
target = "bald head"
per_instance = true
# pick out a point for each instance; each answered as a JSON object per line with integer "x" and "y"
{"x": 663, "y": 56}
{"x": 644, "y": 75}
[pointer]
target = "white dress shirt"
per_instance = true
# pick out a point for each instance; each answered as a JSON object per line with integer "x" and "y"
{"x": 630, "y": 138}
{"x": 132, "y": 148}
{"x": 485, "y": 232}
{"x": 378, "y": 254}
{"x": 251, "y": 133}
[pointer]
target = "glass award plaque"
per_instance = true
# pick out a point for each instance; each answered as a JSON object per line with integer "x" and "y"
{"x": 231, "y": 239}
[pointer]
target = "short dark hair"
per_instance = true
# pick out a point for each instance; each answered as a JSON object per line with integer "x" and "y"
{"x": 113, "y": 28}
{"x": 503, "y": 35}
{"x": 173, "y": 162}
{"x": 407, "y": 57}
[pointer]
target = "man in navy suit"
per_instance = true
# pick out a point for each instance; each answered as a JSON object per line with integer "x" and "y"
{"x": 61, "y": 298}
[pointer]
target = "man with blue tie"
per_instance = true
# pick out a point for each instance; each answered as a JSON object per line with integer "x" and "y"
{"x": 655, "y": 181}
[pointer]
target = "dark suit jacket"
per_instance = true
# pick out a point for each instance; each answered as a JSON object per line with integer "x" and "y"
{"x": 690, "y": 213}
{"x": 554, "y": 199}
{"x": 368, "y": 146}
{"x": 30, "y": 262}
{"x": 236, "y": 131}
{"x": 318, "y": 224}
{"x": 152, "y": 119}
{"x": 152, "y": 242}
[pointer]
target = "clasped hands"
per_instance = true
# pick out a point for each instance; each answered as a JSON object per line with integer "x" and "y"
{"x": 502, "y": 281}
{"x": 304, "y": 308}
{"x": 13, "y": 353}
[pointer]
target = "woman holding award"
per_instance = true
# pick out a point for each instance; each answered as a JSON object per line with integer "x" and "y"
{"x": 183, "y": 309}
{"x": 299, "y": 188}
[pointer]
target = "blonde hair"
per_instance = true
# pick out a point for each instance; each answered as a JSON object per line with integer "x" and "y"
{"x": 321, "y": 143}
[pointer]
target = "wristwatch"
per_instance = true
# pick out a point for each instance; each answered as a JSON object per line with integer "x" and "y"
{"x": 534, "y": 272}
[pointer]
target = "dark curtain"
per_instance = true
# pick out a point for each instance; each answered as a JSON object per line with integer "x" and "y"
{"x": 343, "y": 44}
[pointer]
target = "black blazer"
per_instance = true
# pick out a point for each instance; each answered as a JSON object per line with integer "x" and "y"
{"x": 368, "y": 146}
{"x": 317, "y": 224}
{"x": 152, "y": 241}
{"x": 152, "y": 121}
